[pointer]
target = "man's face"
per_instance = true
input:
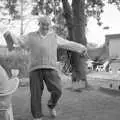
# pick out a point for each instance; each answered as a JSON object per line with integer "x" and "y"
{"x": 44, "y": 27}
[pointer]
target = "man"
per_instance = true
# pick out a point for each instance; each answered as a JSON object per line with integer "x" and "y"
{"x": 43, "y": 45}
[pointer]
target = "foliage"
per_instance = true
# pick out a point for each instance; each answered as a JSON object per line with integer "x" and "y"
{"x": 15, "y": 61}
{"x": 11, "y": 6}
{"x": 46, "y": 7}
{"x": 94, "y": 8}
{"x": 115, "y": 2}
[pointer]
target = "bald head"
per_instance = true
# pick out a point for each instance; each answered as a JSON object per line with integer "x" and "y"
{"x": 44, "y": 23}
{"x": 44, "y": 20}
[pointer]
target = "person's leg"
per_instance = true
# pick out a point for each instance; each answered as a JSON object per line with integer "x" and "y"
{"x": 53, "y": 83}
{"x": 36, "y": 89}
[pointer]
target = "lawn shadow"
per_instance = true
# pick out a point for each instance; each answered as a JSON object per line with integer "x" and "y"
{"x": 73, "y": 90}
{"x": 79, "y": 90}
{"x": 109, "y": 91}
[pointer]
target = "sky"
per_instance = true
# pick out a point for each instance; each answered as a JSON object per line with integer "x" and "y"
{"x": 94, "y": 33}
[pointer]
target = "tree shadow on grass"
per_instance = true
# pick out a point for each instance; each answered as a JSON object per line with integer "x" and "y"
{"x": 73, "y": 90}
{"x": 110, "y": 92}
{"x": 79, "y": 90}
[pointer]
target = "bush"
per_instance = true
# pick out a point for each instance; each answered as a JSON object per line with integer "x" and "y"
{"x": 15, "y": 60}
{"x": 19, "y": 60}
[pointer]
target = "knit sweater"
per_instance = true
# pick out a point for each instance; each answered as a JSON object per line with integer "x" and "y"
{"x": 43, "y": 50}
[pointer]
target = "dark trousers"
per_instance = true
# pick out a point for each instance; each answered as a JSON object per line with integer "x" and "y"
{"x": 53, "y": 83}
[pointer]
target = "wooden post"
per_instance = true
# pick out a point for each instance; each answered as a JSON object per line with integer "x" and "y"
{"x": 21, "y": 27}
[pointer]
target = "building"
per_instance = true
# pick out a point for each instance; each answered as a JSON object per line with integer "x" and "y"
{"x": 100, "y": 53}
{"x": 113, "y": 43}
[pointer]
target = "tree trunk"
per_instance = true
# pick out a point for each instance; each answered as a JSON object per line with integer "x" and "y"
{"x": 78, "y": 62}
{"x": 69, "y": 20}
{"x": 75, "y": 20}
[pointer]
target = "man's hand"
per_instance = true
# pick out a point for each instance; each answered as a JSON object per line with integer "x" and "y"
{"x": 84, "y": 51}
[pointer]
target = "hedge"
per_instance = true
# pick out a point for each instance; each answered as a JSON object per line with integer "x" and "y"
{"x": 19, "y": 60}
{"x": 15, "y": 60}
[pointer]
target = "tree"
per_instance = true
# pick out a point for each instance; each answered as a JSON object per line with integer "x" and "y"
{"x": 76, "y": 20}
{"x": 11, "y": 6}
{"x": 38, "y": 7}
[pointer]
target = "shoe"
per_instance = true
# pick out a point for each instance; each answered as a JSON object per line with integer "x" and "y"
{"x": 52, "y": 112}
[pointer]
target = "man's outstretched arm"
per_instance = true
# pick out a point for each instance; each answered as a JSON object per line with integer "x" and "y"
{"x": 13, "y": 39}
{"x": 72, "y": 46}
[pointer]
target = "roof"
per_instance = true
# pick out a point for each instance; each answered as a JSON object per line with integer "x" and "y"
{"x": 101, "y": 53}
{"x": 116, "y": 60}
{"x": 112, "y": 36}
